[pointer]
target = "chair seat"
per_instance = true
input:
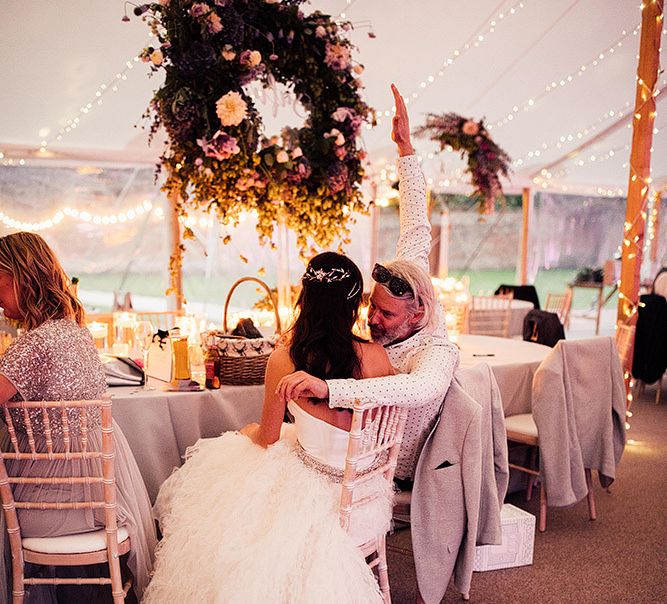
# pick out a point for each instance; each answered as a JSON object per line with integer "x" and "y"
{"x": 81, "y": 543}
{"x": 522, "y": 425}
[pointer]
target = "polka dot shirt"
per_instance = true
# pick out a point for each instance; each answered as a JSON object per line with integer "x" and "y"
{"x": 426, "y": 361}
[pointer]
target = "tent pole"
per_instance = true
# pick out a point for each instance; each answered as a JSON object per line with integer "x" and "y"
{"x": 175, "y": 291}
{"x": 640, "y": 159}
{"x": 525, "y": 207}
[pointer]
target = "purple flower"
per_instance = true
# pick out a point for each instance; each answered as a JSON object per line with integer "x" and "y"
{"x": 199, "y": 9}
{"x": 337, "y": 177}
{"x": 221, "y": 146}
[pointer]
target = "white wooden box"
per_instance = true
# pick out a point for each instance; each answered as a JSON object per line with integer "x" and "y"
{"x": 518, "y": 529}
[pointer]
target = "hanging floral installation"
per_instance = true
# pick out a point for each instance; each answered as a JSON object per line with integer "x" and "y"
{"x": 486, "y": 160}
{"x": 218, "y": 158}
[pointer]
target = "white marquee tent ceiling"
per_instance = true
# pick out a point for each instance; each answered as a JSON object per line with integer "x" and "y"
{"x": 56, "y": 55}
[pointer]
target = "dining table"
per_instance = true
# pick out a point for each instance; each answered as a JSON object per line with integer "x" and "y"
{"x": 160, "y": 424}
{"x": 513, "y": 363}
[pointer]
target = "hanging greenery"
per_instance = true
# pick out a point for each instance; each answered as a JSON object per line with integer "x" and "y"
{"x": 217, "y": 158}
{"x": 486, "y": 160}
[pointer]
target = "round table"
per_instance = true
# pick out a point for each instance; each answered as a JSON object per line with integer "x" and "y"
{"x": 513, "y": 363}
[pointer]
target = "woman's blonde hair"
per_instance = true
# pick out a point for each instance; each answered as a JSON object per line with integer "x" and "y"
{"x": 42, "y": 288}
{"x": 420, "y": 283}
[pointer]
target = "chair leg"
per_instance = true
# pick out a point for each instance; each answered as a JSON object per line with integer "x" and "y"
{"x": 531, "y": 477}
{"x": 383, "y": 576}
{"x": 17, "y": 597}
{"x": 543, "y": 507}
{"x": 592, "y": 512}
{"x": 117, "y": 591}
{"x": 658, "y": 392}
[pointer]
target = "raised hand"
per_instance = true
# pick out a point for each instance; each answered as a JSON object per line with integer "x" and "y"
{"x": 400, "y": 125}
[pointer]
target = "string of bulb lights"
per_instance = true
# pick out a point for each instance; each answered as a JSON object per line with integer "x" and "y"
{"x": 562, "y": 82}
{"x": 475, "y": 40}
{"x": 125, "y": 216}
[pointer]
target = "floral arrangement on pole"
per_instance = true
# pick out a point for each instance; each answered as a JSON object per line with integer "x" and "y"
{"x": 217, "y": 157}
{"x": 486, "y": 160}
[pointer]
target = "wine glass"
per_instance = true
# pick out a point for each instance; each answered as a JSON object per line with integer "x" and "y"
{"x": 143, "y": 336}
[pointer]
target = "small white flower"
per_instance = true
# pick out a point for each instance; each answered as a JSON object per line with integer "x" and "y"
{"x": 282, "y": 157}
{"x": 297, "y": 153}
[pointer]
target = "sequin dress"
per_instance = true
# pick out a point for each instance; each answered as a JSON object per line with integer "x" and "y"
{"x": 58, "y": 361}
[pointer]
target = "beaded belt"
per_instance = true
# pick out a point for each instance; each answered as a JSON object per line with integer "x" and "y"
{"x": 332, "y": 473}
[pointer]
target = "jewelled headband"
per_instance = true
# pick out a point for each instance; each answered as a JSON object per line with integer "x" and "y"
{"x": 333, "y": 275}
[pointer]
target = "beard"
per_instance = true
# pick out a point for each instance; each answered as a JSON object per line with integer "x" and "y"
{"x": 385, "y": 337}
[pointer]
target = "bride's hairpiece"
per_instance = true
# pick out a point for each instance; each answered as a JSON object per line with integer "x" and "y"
{"x": 321, "y": 276}
{"x": 333, "y": 275}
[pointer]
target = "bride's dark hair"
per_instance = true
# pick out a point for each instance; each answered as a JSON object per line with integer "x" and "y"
{"x": 322, "y": 341}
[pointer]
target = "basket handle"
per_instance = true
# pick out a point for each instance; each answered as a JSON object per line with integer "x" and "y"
{"x": 268, "y": 291}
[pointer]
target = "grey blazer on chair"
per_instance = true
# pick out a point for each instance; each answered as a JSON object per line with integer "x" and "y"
{"x": 446, "y": 497}
{"x": 480, "y": 383}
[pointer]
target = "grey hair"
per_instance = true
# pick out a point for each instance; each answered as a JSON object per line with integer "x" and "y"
{"x": 424, "y": 294}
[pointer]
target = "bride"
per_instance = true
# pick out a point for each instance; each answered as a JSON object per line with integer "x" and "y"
{"x": 252, "y": 517}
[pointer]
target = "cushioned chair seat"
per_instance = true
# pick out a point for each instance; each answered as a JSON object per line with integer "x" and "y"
{"x": 521, "y": 424}
{"x": 72, "y": 544}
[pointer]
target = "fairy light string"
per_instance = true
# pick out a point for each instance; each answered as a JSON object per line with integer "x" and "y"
{"x": 562, "y": 82}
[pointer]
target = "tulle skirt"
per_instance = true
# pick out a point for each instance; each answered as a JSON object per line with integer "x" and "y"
{"x": 243, "y": 524}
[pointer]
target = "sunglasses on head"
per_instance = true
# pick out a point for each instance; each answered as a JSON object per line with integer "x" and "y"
{"x": 396, "y": 285}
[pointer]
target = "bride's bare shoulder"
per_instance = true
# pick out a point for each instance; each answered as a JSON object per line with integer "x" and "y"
{"x": 374, "y": 360}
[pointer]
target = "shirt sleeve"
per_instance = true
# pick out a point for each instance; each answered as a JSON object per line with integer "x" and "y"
{"x": 428, "y": 378}
{"x": 414, "y": 241}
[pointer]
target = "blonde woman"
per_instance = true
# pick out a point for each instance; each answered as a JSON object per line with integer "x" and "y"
{"x": 56, "y": 359}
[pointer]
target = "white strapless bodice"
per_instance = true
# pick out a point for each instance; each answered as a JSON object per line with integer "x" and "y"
{"x": 326, "y": 443}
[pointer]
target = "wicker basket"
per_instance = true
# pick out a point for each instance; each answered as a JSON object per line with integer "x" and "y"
{"x": 243, "y": 360}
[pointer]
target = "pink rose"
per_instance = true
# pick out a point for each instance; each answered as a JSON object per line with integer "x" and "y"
{"x": 470, "y": 128}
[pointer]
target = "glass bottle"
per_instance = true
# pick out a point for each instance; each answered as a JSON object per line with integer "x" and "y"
{"x": 212, "y": 365}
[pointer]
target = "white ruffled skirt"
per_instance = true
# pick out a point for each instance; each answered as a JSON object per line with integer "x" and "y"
{"x": 243, "y": 524}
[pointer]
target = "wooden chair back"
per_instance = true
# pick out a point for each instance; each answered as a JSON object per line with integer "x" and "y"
{"x": 376, "y": 434}
{"x": 490, "y": 315}
{"x": 560, "y": 304}
{"x": 69, "y": 443}
{"x": 460, "y": 314}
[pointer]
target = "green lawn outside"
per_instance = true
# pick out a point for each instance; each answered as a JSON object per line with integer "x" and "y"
{"x": 199, "y": 288}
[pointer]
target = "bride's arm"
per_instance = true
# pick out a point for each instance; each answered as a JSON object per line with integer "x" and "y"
{"x": 273, "y": 411}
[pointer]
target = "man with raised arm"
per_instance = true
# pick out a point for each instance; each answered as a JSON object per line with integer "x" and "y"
{"x": 404, "y": 316}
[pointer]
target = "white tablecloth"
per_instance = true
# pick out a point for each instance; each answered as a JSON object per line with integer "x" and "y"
{"x": 159, "y": 426}
{"x": 513, "y": 363}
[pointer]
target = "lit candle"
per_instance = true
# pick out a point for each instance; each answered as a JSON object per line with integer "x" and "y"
{"x": 179, "y": 347}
